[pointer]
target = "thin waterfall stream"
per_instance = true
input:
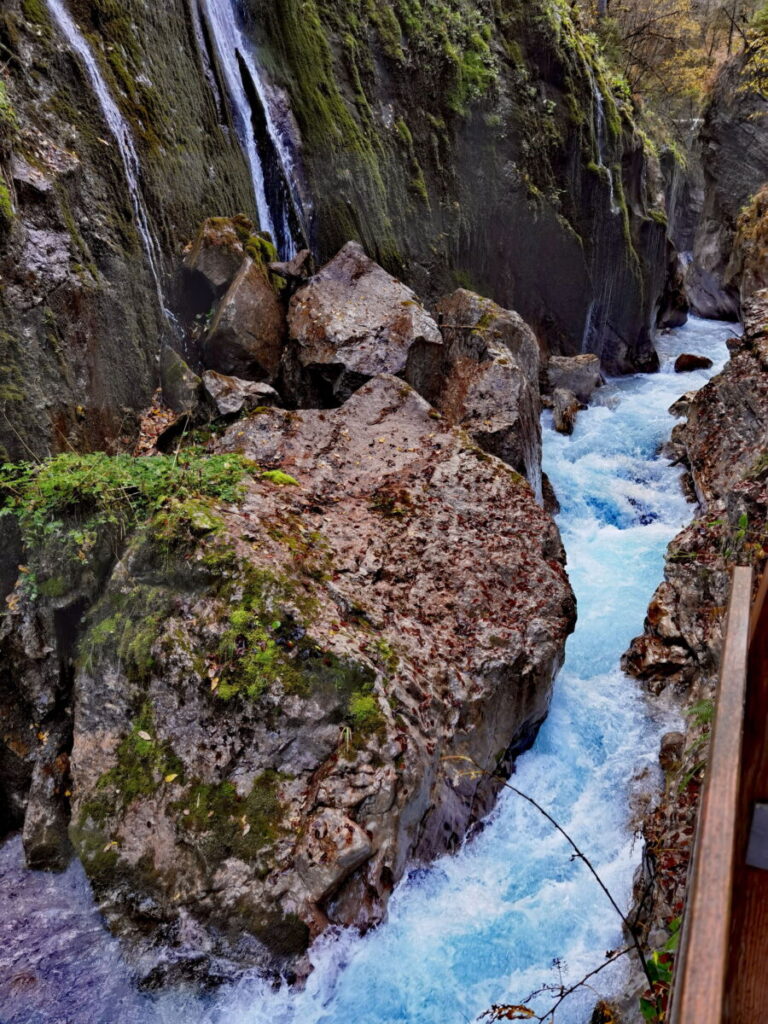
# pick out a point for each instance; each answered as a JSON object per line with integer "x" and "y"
{"x": 276, "y": 201}
{"x": 487, "y": 924}
{"x": 121, "y": 132}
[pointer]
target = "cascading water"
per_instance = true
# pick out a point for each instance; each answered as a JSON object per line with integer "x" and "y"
{"x": 121, "y": 133}
{"x": 269, "y": 155}
{"x": 600, "y": 144}
{"x": 484, "y": 925}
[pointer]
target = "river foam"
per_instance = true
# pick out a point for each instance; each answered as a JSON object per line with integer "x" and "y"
{"x": 511, "y": 911}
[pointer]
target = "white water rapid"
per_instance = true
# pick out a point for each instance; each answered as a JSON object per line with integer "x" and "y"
{"x": 120, "y": 131}
{"x": 236, "y": 60}
{"x": 485, "y": 925}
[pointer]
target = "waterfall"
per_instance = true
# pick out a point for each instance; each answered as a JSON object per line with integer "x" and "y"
{"x": 600, "y": 141}
{"x": 269, "y": 154}
{"x": 121, "y": 133}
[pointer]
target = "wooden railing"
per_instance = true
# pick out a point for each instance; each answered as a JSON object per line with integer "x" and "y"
{"x": 721, "y": 975}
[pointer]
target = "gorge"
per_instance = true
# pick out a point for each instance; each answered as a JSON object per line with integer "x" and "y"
{"x": 341, "y": 347}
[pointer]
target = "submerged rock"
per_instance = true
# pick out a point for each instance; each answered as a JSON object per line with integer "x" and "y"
{"x": 351, "y": 322}
{"x": 687, "y": 363}
{"x": 565, "y": 408}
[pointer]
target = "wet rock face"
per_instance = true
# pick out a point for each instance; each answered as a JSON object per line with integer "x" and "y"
{"x": 485, "y": 379}
{"x": 261, "y": 716}
{"x": 580, "y": 375}
{"x": 81, "y": 321}
{"x": 351, "y": 322}
{"x": 723, "y": 445}
{"x": 247, "y": 332}
{"x": 734, "y": 152}
{"x": 446, "y": 180}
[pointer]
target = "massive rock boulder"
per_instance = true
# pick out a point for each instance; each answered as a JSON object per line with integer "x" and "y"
{"x": 485, "y": 379}
{"x": 580, "y": 375}
{"x": 262, "y": 712}
{"x": 247, "y": 332}
{"x": 351, "y": 322}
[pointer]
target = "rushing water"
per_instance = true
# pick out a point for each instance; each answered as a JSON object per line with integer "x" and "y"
{"x": 486, "y": 924}
{"x": 119, "y": 130}
{"x": 275, "y": 200}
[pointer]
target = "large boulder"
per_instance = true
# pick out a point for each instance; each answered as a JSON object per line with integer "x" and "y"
{"x": 181, "y": 386}
{"x": 565, "y": 408}
{"x": 687, "y": 362}
{"x": 673, "y": 305}
{"x": 247, "y": 333}
{"x": 229, "y": 396}
{"x": 580, "y": 375}
{"x": 351, "y": 322}
{"x": 262, "y": 709}
{"x": 486, "y": 379}
{"x": 217, "y": 252}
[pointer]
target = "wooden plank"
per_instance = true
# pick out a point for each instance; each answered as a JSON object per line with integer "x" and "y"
{"x": 758, "y": 609}
{"x": 704, "y": 955}
{"x": 746, "y": 999}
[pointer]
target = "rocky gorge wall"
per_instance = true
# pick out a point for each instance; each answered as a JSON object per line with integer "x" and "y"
{"x": 478, "y": 145}
{"x": 732, "y": 148}
{"x": 80, "y": 321}
{"x": 461, "y": 145}
{"x": 723, "y": 443}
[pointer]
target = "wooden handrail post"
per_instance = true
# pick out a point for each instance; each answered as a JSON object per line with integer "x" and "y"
{"x": 700, "y": 976}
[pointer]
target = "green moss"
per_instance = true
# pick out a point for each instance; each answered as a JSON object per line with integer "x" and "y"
{"x": 229, "y": 825}
{"x": 364, "y": 712}
{"x": 12, "y": 388}
{"x": 35, "y": 12}
{"x": 104, "y": 493}
{"x": 7, "y": 214}
{"x": 142, "y": 764}
{"x": 276, "y": 476}
{"x": 124, "y": 628}
{"x": 54, "y": 587}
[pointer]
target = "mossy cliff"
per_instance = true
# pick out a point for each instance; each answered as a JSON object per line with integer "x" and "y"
{"x": 80, "y": 322}
{"x": 480, "y": 145}
{"x": 471, "y": 144}
{"x": 733, "y": 142}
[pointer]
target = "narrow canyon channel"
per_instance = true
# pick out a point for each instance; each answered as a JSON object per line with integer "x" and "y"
{"x": 513, "y": 910}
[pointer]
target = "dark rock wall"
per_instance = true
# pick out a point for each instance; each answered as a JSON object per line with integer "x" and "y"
{"x": 470, "y": 144}
{"x": 80, "y": 322}
{"x": 734, "y": 153}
